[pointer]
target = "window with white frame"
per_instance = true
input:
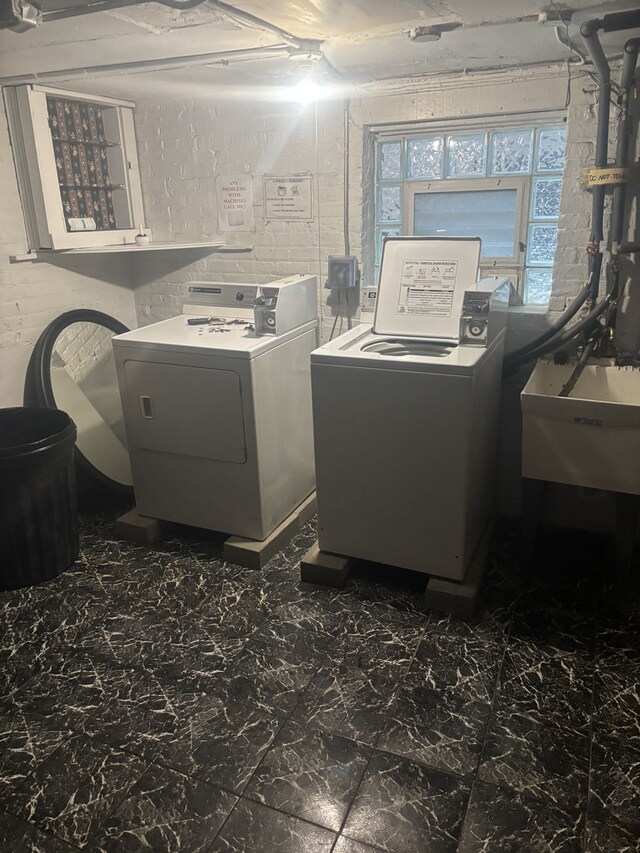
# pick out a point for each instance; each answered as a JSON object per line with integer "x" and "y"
{"x": 77, "y": 167}
{"x": 502, "y": 185}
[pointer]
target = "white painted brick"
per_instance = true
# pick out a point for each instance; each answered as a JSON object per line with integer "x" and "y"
{"x": 198, "y": 141}
{"x": 33, "y": 294}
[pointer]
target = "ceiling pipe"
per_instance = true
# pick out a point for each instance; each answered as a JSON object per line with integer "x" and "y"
{"x": 582, "y": 59}
{"x": 110, "y": 5}
{"x": 224, "y": 57}
{"x": 291, "y": 46}
{"x": 623, "y": 141}
{"x": 615, "y": 21}
{"x": 312, "y": 45}
{"x": 589, "y": 32}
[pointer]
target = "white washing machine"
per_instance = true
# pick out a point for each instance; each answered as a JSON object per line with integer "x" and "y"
{"x": 218, "y": 417}
{"x": 405, "y": 412}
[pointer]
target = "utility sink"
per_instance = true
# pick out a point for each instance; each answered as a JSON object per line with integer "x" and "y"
{"x": 590, "y": 438}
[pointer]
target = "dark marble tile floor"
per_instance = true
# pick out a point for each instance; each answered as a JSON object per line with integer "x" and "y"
{"x": 163, "y": 699}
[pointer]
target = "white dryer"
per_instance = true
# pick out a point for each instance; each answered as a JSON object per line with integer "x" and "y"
{"x": 405, "y": 413}
{"x": 218, "y": 418}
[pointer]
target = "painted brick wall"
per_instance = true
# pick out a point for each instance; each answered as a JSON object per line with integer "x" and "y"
{"x": 83, "y": 348}
{"x": 183, "y": 146}
{"x": 32, "y": 294}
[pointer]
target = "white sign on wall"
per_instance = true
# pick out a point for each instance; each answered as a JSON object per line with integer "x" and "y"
{"x": 288, "y": 198}
{"x": 235, "y": 202}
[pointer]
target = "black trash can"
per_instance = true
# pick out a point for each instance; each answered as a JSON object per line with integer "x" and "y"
{"x": 38, "y": 505}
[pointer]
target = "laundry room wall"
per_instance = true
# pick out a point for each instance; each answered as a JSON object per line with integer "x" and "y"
{"x": 33, "y": 293}
{"x": 184, "y": 145}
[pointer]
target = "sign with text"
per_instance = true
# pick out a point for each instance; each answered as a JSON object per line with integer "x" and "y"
{"x": 288, "y": 198}
{"x": 235, "y": 202}
{"x": 604, "y": 177}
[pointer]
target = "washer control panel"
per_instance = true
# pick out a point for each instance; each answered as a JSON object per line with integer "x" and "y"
{"x": 484, "y": 311}
{"x": 219, "y": 295}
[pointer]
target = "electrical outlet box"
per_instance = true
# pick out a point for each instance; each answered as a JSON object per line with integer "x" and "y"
{"x": 343, "y": 272}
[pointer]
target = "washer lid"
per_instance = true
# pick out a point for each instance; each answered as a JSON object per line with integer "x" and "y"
{"x": 422, "y": 285}
{"x": 361, "y": 347}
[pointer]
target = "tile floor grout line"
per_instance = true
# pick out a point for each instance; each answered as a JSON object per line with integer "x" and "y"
{"x": 74, "y": 733}
{"x": 353, "y": 799}
{"x": 241, "y": 796}
{"x": 45, "y": 832}
{"x": 486, "y": 730}
{"x": 223, "y": 824}
{"x": 121, "y": 799}
{"x": 387, "y": 715}
{"x": 329, "y": 734}
{"x": 596, "y": 652}
{"x": 286, "y": 814}
{"x": 285, "y": 720}
{"x": 419, "y": 762}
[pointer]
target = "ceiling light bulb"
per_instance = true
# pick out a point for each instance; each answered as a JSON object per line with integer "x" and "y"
{"x": 305, "y": 91}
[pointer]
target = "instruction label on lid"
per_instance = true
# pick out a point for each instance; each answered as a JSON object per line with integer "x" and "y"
{"x": 427, "y": 287}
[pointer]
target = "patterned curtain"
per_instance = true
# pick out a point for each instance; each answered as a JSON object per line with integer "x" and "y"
{"x": 81, "y": 159}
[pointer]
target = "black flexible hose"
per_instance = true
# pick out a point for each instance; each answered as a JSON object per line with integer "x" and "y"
{"x": 555, "y": 327}
{"x": 570, "y": 384}
{"x": 563, "y": 337}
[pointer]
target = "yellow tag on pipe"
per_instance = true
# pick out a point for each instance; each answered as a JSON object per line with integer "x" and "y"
{"x": 607, "y": 175}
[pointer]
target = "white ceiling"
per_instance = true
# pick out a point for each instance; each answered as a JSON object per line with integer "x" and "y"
{"x": 363, "y": 39}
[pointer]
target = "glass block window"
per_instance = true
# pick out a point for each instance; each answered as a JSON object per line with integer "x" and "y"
{"x": 467, "y": 155}
{"x": 381, "y": 234}
{"x": 390, "y": 161}
{"x": 511, "y": 152}
{"x": 537, "y": 286}
{"x": 482, "y": 205}
{"x": 390, "y": 203}
{"x": 425, "y": 157}
{"x": 545, "y": 203}
{"x": 541, "y": 245}
{"x": 550, "y": 149}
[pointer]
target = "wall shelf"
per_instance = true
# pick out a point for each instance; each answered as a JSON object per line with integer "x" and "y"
{"x": 129, "y": 248}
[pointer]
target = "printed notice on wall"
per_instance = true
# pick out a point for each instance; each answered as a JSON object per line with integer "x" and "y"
{"x": 235, "y": 202}
{"x": 288, "y": 198}
{"x": 427, "y": 287}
